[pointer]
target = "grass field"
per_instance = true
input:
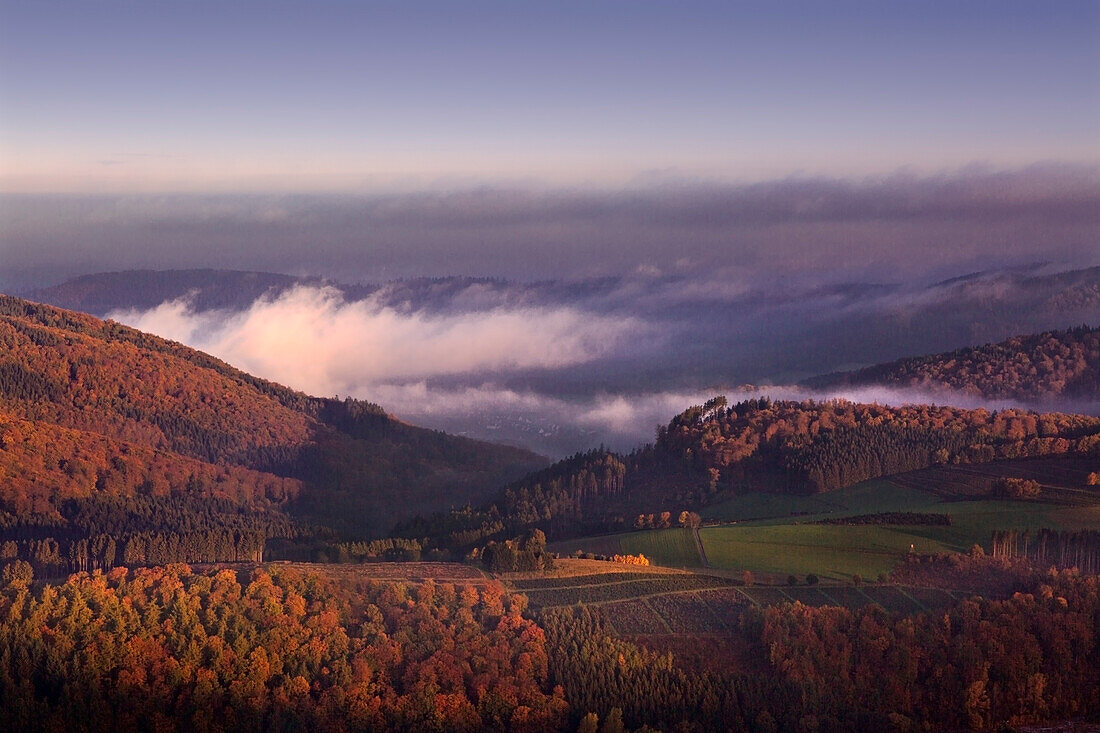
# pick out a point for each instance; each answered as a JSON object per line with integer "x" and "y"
{"x": 597, "y": 593}
{"x": 669, "y": 547}
{"x": 776, "y": 534}
{"x": 698, "y": 603}
{"x": 1063, "y": 479}
{"x": 835, "y": 552}
{"x": 570, "y": 567}
{"x": 878, "y": 495}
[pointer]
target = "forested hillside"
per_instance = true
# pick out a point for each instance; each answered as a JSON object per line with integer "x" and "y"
{"x": 819, "y": 446}
{"x": 1040, "y": 367}
{"x": 94, "y": 413}
{"x": 120, "y": 450}
{"x": 717, "y": 450}
{"x": 287, "y": 648}
{"x": 168, "y": 649}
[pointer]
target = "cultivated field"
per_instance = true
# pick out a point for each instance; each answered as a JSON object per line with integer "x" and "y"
{"x": 698, "y": 618}
{"x": 406, "y": 572}
{"x": 586, "y": 592}
{"x": 877, "y": 495}
{"x": 568, "y": 567}
{"x": 776, "y": 535}
{"x": 698, "y": 603}
{"x": 1063, "y": 479}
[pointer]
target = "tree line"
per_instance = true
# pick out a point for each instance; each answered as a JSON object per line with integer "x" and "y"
{"x": 1051, "y": 548}
{"x": 102, "y": 531}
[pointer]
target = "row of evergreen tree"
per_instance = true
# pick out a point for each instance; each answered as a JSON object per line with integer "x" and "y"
{"x": 52, "y": 558}
{"x": 1051, "y": 548}
{"x": 103, "y": 531}
{"x": 846, "y": 456}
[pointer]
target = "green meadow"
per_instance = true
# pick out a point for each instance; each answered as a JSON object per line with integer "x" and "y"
{"x": 669, "y": 547}
{"x": 835, "y": 552}
{"x": 778, "y": 534}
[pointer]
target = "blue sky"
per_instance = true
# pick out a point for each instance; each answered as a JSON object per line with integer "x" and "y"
{"x": 277, "y": 96}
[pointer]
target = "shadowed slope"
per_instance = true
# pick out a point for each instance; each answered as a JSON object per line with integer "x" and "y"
{"x": 360, "y": 468}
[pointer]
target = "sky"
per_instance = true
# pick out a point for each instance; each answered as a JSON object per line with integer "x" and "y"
{"x": 197, "y": 96}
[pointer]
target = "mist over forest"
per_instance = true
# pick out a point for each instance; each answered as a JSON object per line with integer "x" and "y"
{"x": 558, "y": 365}
{"x": 564, "y": 318}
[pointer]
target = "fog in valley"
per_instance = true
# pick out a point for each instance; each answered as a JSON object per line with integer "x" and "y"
{"x": 562, "y": 319}
{"x": 540, "y": 366}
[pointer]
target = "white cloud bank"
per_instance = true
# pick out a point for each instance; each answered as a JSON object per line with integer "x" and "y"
{"x": 621, "y": 421}
{"x": 311, "y": 339}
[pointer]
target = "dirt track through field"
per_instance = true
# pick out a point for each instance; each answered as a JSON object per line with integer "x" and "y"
{"x": 699, "y": 547}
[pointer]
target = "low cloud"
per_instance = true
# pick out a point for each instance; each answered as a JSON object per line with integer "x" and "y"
{"x": 559, "y": 426}
{"x": 561, "y": 366}
{"x": 556, "y": 426}
{"x": 430, "y": 367}
{"x": 881, "y": 395}
{"x": 312, "y": 339}
{"x": 512, "y": 367}
{"x": 632, "y": 418}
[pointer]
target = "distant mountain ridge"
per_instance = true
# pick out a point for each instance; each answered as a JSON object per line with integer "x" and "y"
{"x": 955, "y": 313}
{"x": 864, "y": 321}
{"x": 1054, "y": 365}
{"x": 101, "y": 293}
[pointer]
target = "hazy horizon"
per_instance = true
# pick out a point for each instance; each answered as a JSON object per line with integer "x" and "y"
{"x": 880, "y": 229}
